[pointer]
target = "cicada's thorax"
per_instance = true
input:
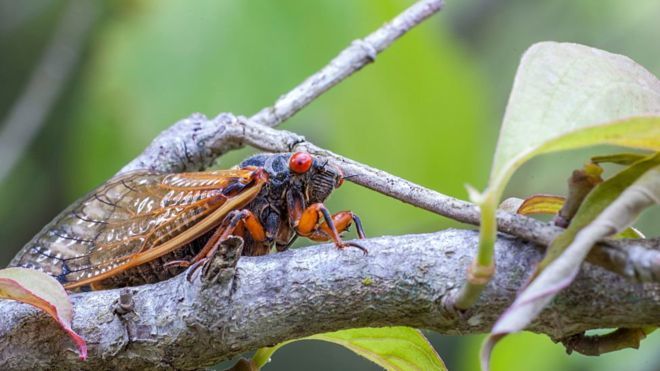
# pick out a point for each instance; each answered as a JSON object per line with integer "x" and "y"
{"x": 273, "y": 204}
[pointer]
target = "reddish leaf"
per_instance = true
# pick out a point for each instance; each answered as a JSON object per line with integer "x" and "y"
{"x": 44, "y": 292}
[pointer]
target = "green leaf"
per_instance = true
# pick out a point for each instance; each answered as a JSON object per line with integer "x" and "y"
{"x": 567, "y": 96}
{"x": 610, "y": 208}
{"x": 44, "y": 292}
{"x": 393, "y": 348}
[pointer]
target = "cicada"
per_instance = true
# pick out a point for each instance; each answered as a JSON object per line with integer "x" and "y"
{"x": 144, "y": 227}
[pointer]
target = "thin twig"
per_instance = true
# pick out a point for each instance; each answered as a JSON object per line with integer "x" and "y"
{"x": 53, "y": 71}
{"x": 273, "y": 140}
{"x": 195, "y": 142}
{"x": 352, "y": 59}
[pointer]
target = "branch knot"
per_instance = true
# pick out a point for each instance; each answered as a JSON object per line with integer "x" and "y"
{"x": 370, "y": 50}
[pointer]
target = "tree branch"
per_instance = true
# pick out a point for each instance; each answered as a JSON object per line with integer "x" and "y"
{"x": 313, "y": 290}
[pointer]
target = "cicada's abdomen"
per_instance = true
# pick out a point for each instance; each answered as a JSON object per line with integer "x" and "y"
{"x": 126, "y": 216}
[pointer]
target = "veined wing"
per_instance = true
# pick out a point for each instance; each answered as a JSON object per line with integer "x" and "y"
{"x": 131, "y": 215}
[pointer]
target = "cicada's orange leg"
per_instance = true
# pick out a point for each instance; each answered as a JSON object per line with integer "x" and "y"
{"x": 342, "y": 220}
{"x": 236, "y": 221}
{"x": 307, "y": 225}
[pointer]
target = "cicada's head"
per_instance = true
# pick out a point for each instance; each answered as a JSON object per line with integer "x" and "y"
{"x": 319, "y": 176}
{"x": 315, "y": 176}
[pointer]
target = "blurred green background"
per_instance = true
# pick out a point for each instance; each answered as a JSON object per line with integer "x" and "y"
{"x": 428, "y": 110}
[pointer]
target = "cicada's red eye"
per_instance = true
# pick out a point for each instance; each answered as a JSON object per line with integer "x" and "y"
{"x": 300, "y": 162}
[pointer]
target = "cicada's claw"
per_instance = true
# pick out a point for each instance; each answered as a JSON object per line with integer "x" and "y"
{"x": 177, "y": 263}
{"x": 356, "y": 245}
{"x": 190, "y": 275}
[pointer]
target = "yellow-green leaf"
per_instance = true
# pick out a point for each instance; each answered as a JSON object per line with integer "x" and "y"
{"x": 44, "y": 292}
{"x": 393, "y": 348}
{"x": 567, "y": 96}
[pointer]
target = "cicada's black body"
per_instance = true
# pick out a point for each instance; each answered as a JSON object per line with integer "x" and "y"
{"x": 144, "y": 227}
{"x": 285, "y": 193}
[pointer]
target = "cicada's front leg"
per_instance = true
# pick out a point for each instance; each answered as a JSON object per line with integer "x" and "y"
{"x": 316, "y": 223}
{"x": 341, "y": 220}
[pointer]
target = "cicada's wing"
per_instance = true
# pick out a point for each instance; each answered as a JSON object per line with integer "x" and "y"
{"x": 133, "y": 219}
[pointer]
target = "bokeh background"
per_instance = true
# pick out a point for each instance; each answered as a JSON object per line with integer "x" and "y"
{"x": 428, "y": 110}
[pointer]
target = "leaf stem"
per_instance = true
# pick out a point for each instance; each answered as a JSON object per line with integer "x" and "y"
{"x": 483, "y": 266}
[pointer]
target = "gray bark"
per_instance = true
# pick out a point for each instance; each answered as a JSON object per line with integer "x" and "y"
{"x": 289, "y": 295}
